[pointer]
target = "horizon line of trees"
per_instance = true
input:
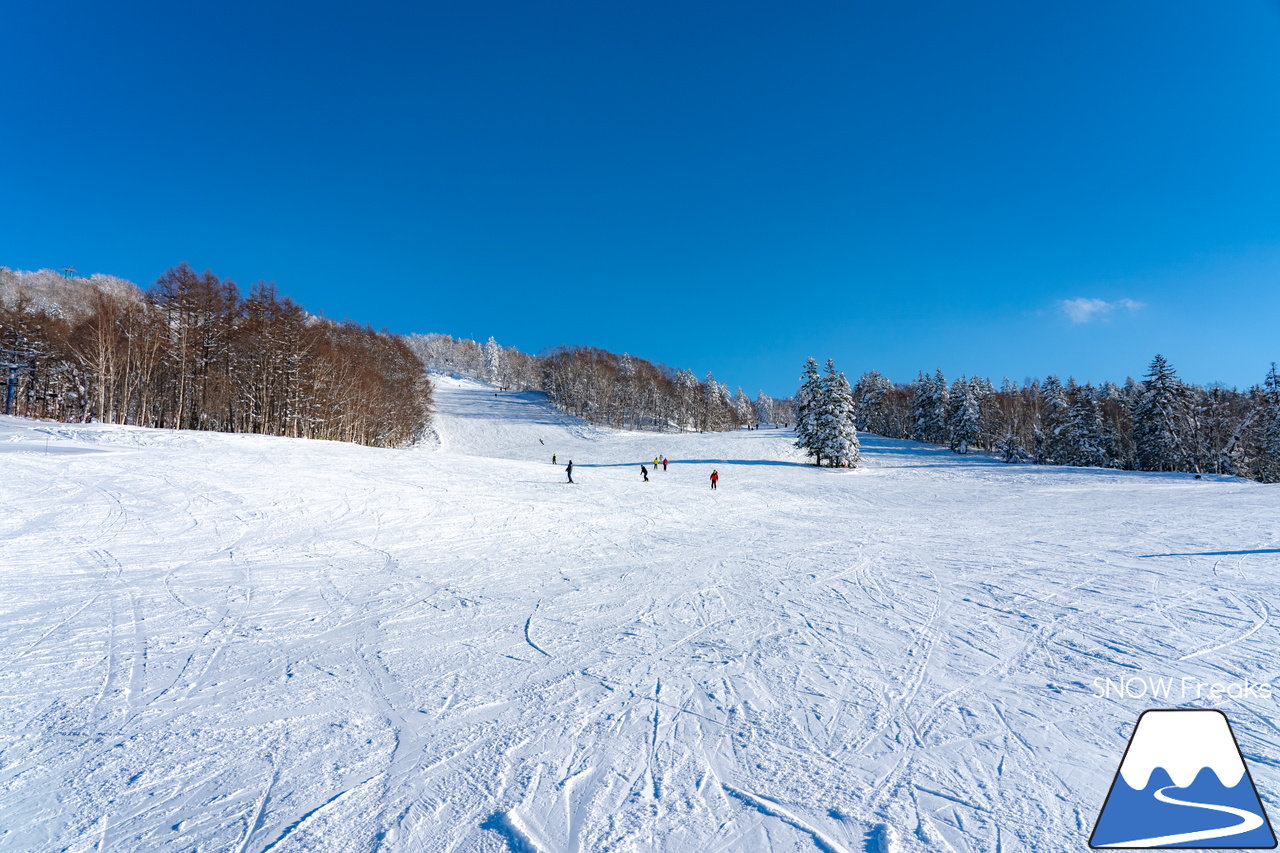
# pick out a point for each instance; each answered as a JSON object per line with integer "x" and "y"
{"x": 601, "y": 387}
{"x": 193, "y": 352}
{"x": 1158, "y": 424}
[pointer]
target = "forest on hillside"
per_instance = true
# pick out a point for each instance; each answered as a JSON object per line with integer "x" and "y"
{"x": 193, "y": 352}
{"x": 1159, "y": 423}
{"x": 621, "y": 391}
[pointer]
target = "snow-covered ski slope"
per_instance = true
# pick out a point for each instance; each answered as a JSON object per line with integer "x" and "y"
{"x": 250, "y": 644}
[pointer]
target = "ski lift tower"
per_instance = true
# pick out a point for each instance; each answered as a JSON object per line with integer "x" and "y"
{"x": 68, "y": 272}
{"x": 14, "y": 361}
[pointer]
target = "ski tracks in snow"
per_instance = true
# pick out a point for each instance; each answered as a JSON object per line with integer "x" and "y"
{"x": 266, "y": 645}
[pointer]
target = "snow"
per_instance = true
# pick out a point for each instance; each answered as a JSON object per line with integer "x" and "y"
{"x": 259, "y": 644}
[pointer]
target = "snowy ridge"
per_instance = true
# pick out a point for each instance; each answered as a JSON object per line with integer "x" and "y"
{"x": 249, "y": 643}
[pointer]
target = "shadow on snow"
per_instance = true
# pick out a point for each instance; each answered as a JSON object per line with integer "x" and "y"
{"x": 1214, "y": 553}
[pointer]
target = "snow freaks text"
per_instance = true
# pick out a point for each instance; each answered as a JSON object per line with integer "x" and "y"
{"x": 1177, "y": 689}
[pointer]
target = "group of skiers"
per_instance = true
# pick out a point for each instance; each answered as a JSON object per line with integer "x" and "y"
{"x": 644, "y": 470}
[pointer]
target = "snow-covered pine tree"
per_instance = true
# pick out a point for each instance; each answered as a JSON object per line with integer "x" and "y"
{"x": 1084, "y": 427}
{"x": 1214, "y": 426}
{"x": 1269, "y": 467}
{"x": 764, "y": 408}
{"x": 1159, "y": 419}
{"x": 1117, "y": 433}
{"x": 493, "y": 362}
{"x": 808, "y": 403}
{"x": 712, "y": 412}
{"x": 743, "y": 412}
{"x": 929, "y": 404}
{"x": 921, "y": 405}
{"x": 964, "y": 417}
{"x": 837, "y": 420}
{"x": 1055, "y": 416}
{"x": 938, "y": 426}
{"x": 870, "y": 393}
{"x": 989, "y": 425}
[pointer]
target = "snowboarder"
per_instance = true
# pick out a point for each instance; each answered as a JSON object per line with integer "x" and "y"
{"x": 569, "y": 470}
{"x": 715, "y": 478}
{"x": 644, "y": 472}
{"x": 664, "y": 463}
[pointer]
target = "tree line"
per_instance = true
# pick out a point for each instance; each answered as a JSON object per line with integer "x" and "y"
{"x": 193, "y": 352}
{"x": 1158, "y": 424}
{"x": 621, "y": 391}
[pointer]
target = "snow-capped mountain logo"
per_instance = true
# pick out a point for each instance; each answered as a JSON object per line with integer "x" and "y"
{"x": 1183, "y": 784}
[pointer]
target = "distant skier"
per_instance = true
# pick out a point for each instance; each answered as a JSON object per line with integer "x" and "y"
{"x": 664, "y": 463}
{"x": 715, "y": 478}
{"x": 655, "y": 463}
{"x": 569, "y": 470}
{"x": 553, "y": 459}
{"x": 644, "y": 472}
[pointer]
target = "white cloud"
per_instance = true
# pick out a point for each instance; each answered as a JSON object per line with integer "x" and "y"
{"x": 1089, "y": 310}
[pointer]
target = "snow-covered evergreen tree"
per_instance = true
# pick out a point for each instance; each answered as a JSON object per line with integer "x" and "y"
{"x": 870, "y": 394}
{"x": 764, "y": 408}
{"x": 837, "y": 420}
{"x": 990, "y": 428}
{"x": 714, "y": 410}
{"x": 941, "y": 408}
{"x": 1159, "y": 419}
{"x": 493, "y": 362}
{"x": 744, "y": 413}
{"x": 1117, "y": 426}
{"x": 1055, "y": 417}
{"x": 929, "y": 404}
{"x": 964, "y": 416}
{"x": 1269, "y": 467}
{"x": 808, "y": 403}
{"x": 1084, "y": 428}
{"x": 921, "y": 405}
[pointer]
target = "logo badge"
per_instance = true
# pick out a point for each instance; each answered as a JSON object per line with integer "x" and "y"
{"x": 1183, "y": 784}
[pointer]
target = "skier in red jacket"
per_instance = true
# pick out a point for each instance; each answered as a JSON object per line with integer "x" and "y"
{"x": 715, "y": 478}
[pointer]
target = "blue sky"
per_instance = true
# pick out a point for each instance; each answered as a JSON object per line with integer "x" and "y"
{"x": 995, "y": 188}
